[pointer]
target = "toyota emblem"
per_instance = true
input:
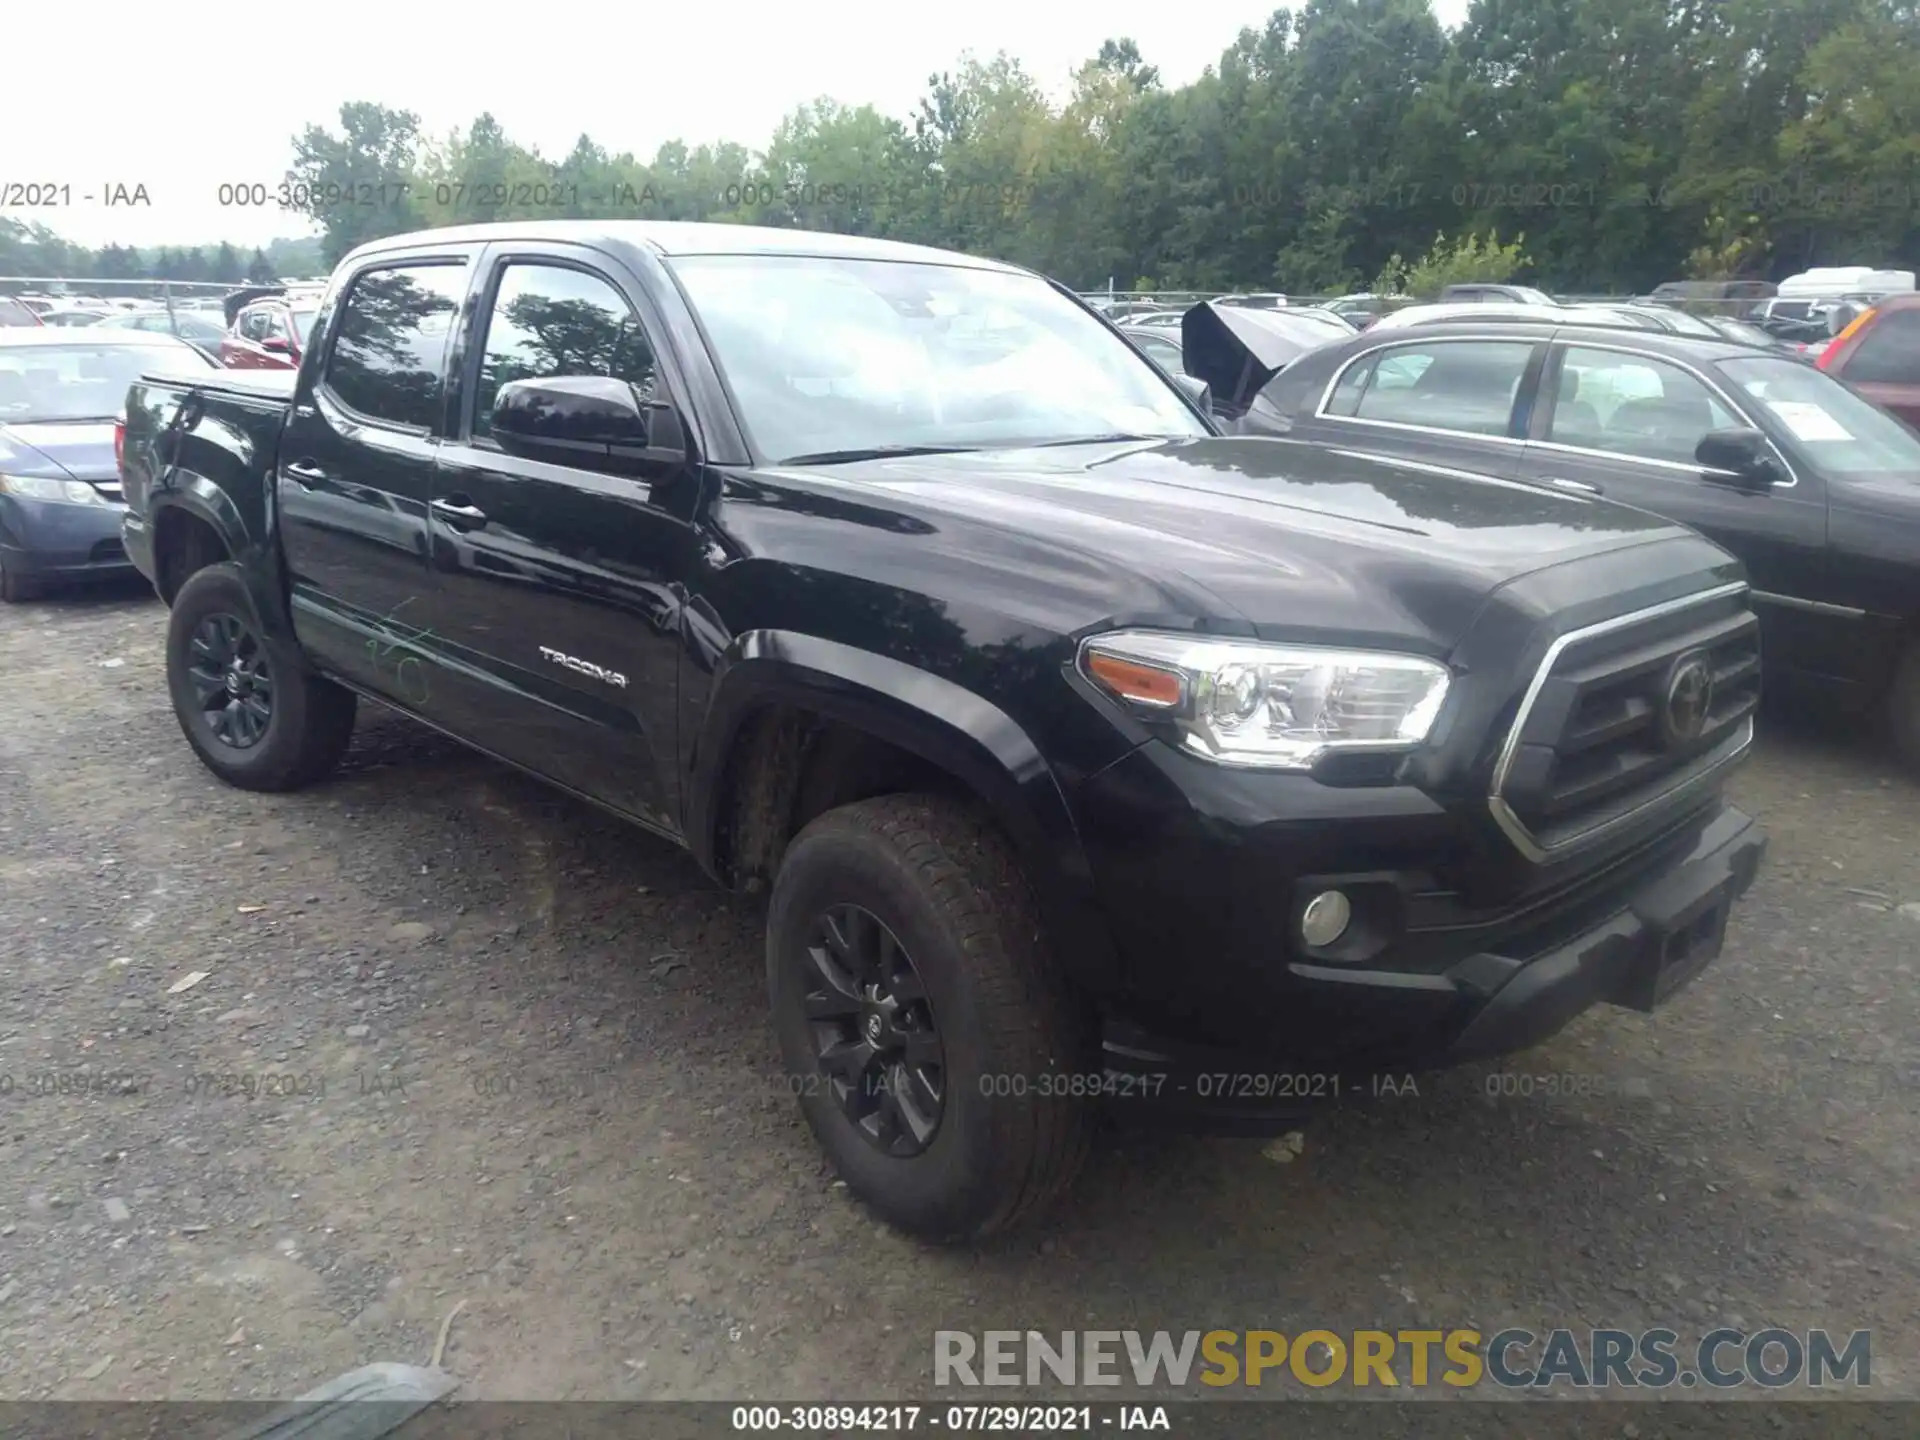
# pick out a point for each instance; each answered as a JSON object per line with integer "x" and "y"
{"x": 1688, "y": 700}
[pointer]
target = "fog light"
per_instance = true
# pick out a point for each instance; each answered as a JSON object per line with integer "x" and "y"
{"x": 1325, "y": 919}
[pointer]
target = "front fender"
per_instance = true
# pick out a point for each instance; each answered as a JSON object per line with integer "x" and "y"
{"x": 928, "y": 716}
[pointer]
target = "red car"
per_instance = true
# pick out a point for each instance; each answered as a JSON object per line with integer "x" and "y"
{"x": 268, "y": 330}
{"x": 1879, "y": 355}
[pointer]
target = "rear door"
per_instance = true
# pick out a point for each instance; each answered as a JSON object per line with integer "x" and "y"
{"x": 557, "y": 611}
{"x": 1624, "y": 423}
{"x": 1455, "y": 401}
{"x": 355, "y": 470}
{"x": 1882, "y": 361}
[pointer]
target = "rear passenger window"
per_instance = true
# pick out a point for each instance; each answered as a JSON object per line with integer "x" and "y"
{"x": 390, "y": 347}
{"x": 1888, "y": 352}
{"x": 551, "y": 320}
{"x": 1466, "y": 386}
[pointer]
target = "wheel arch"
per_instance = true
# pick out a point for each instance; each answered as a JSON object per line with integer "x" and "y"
{"x": 796, "y": 724}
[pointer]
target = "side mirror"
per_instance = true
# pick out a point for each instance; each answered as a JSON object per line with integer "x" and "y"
{"x": 1743, "y": 455}
{"x": 592, "y": 420}
{"x": 1197, "y": 390}
{"x": 274, "y": 345}
{"x": 1841, "y": 316}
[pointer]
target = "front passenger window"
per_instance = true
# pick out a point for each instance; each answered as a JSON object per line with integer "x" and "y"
{"x": 1633, "y": 405}
{"x": 552, "y": 320}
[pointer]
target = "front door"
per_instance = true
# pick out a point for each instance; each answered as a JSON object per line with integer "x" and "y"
{"x": 1625, "y": 424}
{"x": 355, "y": 473}
{"x": 556, "y": 616}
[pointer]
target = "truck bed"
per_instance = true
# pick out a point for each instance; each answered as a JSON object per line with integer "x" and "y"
{"x": 274, "y": 386}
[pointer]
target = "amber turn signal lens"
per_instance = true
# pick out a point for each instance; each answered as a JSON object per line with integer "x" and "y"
{"x": 1131, "y": 680}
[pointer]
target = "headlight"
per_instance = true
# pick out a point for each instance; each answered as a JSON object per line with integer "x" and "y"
{"x": 1280, "y": 707}
{"x": 39, "y": 487}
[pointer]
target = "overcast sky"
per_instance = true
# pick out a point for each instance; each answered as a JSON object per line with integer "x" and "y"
{"x": 190, "y": 98}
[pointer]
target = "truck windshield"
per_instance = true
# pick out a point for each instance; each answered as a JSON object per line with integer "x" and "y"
{"x": 1824, "y": 423}
{"x": 81, "y": 381}
{"x": 839, "y": 357}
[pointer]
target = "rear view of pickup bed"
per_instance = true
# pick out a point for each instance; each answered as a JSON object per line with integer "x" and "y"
{"x": 1088, "y": 754}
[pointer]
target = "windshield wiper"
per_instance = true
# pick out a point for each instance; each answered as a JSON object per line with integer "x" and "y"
{"x": 1113, "y": 439}
{"x": 875, "y": 452}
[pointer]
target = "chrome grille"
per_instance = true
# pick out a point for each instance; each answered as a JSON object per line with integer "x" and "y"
{"x": 1605, "y": 730}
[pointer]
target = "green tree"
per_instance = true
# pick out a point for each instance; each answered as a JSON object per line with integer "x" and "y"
{"x": 357, "y": 185}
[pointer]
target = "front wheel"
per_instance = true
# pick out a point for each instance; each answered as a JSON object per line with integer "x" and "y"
{"x": 251, "y": 709}
{"x": 940, "y": 1059}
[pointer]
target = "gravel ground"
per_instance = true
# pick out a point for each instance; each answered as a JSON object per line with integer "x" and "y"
{"x": 461, "y": 1039}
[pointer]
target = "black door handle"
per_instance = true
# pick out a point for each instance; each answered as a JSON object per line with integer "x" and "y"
{"x": 461, "y": 514}
{"x": 305, "y": 476}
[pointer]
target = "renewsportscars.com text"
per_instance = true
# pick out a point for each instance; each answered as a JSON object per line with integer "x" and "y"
{"x": 1511, "y": 1359}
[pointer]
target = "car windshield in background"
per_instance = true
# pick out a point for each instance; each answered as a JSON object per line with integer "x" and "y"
{"x": 836, "y": 356}
{"x": 1823, "y": 422}
{"x": 82, "y": 382}
{"x": 303, "y": 325}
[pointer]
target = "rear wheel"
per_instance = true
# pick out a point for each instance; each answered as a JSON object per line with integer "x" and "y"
{"x": 938, "y": 1056}
{"x": 250, "y": 708}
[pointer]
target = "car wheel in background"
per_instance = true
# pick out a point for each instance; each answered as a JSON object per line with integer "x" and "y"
{"x": 1900, "y": 711}
{"x": 932, "y": 1044}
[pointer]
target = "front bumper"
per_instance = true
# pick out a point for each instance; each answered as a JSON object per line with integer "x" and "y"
{"x": 1632, "y": 938}
{"x": 53, "y": 540}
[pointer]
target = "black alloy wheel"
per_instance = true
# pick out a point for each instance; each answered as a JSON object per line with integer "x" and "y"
{"x": 877, "y": 1046}
{"x": 231, "y": 680}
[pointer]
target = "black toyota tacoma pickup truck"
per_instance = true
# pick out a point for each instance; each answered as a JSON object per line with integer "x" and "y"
{"x": 1094, "y": 759}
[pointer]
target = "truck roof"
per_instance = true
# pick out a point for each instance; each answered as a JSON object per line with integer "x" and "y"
{"x": 686, "y": 237}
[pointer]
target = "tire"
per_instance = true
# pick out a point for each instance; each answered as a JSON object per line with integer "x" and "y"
{"x": 945, "y": 886}
{"x": 308, "y": 720}
{"x": 15, "y": 587}
{"x": 1900, "y": 711}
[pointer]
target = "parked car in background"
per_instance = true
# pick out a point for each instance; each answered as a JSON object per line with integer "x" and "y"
{"x": 1734, "y": 298}
{"x": 1745, "y": 332}
{"x": 1155, "y": 320}
{"x": 61, "y": 392}
{"x": 1160, "y": 344}
{"x": 1073, "y": 740}
{"x": 1491, "y": 312}
{"x": 1362, "y": 309}
{"x": 1236, "y": 349}
{"x": 196, "y": 327}
{"x": 69, "y": 317}
{"x": 1813, "y": 488}
{"x": 1878, "y": 354}
{"x": 1518, "y": 294}
{"x": 269, "y": 333}
{"x": 17, "y": 313}
{"x": 1261, "y": 301}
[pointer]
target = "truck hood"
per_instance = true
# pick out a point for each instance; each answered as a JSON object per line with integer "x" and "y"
{"x": 73, "y": 449}
{"x": 1263, "y": 536}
